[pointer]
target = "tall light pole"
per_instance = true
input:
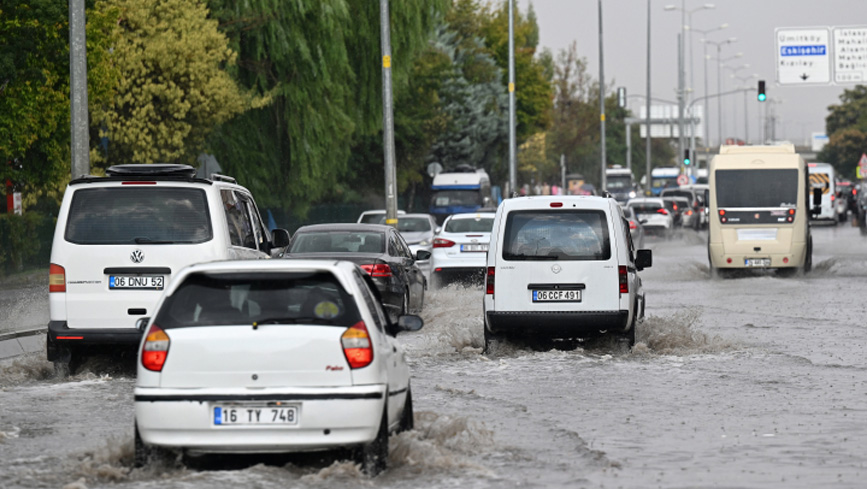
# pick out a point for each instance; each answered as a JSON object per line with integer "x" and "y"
{"x": 647, "y": 140}
{"x": 734, "y": 70}
{"x": 603, "y": 184}
{"x": 78, "y": 90}
{"x": 686, "y": 24}
{"x": 513, "y": 164}
{"x": 744, "y": 79}
{"x": 388, "y": 117}
{"x": 705, "y": 115}
{"x": 719, "y": 45}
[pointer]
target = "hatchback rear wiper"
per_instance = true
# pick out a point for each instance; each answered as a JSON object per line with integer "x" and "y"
{"x": 292, "y": 320}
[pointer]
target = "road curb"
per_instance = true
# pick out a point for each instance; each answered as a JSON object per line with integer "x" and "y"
{"x": 20, "y": 342}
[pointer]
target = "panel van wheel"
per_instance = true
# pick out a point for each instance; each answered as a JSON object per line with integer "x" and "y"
{"x": 628, "y": 337}
{"x": 407, "y": 417}
{"x": 492, "y": 342}
{"x": 373, "y": 456}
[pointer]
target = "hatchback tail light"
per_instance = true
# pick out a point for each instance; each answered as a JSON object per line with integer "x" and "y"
{"x": 443, "y": 243}
{"x": 662, "y": 211}
{"x": 356, "y": 345}
{"x": 377, "y": 269}
{"x": 56, "y": 278}
{"x": 623, "y": 279}
{"x": 632, "y": 225}
{"x": 489, "y": 281}
{"x": 155, "y": 349}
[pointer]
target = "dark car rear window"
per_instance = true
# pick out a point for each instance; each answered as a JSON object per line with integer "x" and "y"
{"x": 213, "y": 299}
{"x": 478, "y": 225}
{"x": 338, "y": 242}
{"x": 126, "y": 215}
{"x": 557, "y": 235}
{"x": 645, "y": 208}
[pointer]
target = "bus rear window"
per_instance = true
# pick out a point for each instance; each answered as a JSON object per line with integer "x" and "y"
{"x": 757, "y": 188}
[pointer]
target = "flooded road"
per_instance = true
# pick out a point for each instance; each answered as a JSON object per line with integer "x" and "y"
{"x": 751, "y": 381}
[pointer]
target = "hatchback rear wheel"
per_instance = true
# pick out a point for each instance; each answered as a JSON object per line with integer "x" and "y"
{"x": 373, "y": 456}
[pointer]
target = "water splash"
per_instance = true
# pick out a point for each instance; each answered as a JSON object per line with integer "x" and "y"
{"x": 678, "y": 334}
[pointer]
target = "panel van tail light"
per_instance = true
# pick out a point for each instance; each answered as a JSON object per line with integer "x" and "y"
{"x": 623, "y": 279}
{"x": 489, "y": 281}
{"x": 155, "y": 349}
{"x": 443, "y": 243}
{"x": 377, "y": 269}
{"x": 56, "y": 278}
{"x": 356, "y": 346}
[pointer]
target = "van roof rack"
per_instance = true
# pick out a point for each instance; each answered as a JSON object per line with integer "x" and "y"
{"x": 222, "y": 178}
{"x": 151, "y": 170}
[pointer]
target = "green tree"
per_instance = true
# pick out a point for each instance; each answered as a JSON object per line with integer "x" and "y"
{"x": 846, "y": 126}
{"x": 172, "y": 87}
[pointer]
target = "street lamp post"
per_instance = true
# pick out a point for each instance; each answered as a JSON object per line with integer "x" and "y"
{"x": 513, "y": 164}
{"x": 647, "y": 125}
{"x": 744, "y": 79}
{"x": 603, "y": 183}
{"x": 734, "y": 70}
{"x": 705, "y": 115}
{"x": 719, "y": 45}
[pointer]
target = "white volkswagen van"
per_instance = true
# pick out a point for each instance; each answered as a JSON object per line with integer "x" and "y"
{"x": 120, "y": 239}
{"x": 562, "y": 267}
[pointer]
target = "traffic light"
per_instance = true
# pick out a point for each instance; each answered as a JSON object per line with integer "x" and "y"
{"x": 621, "y": 97}
{"x": 686, "y": 158}
{"x": 761, "y": 96}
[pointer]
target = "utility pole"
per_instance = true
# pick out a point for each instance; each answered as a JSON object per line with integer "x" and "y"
{"x": 78, "y": 90}
{"x": 603, "y": 184}
{"x": 647, "y": 123}
{"x": 680, "y": 96}
{"x": 388, "y": 118}
{"x": 513, "y": 163}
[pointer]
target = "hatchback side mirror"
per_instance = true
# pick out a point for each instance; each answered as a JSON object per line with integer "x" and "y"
{"x": 407, "y": 322}
{"x": 643, "y": 259}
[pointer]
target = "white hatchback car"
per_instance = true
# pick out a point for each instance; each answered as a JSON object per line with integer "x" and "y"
{"x": 652, "y": 210}
{"x": 562, "y": 267}
{"x": 271, "y": 356}
{"x": 460, "y": 249}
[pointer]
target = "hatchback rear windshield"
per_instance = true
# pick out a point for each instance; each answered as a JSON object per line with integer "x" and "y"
{"x": 338, "y": 242}
{"x": 125, "y": 215}
{"x": 212, "y": 299}
{"x": 478, "y": 225}
{"x": 410, "y": 224}
{"x": 645, "y": 208}
{"x": 557, "y": 235}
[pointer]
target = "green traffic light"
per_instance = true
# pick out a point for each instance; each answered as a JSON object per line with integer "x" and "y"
{"x": 686, "y": 162}
{"x": 762, "y": 97}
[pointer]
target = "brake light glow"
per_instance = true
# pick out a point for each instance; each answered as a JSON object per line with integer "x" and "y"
{"x": 556, "y": 204}
{"x": 155, "y": 349}
{"x": 356, "y": 346}
{"x": 722, "y": 212}
{"x": 443, "y": 243}
{"x": 489, "y": 281}
{"x": 688, "y": 212}
{"x": 833, "y": 197}
{"x": 138, "y": 183}
{"x": 662, "y": 211}
{"x": 632, "y": 225}
{"x": 56, "y": 278}
{"x": 623, "y": 279}
{"x": 377, "y": 269}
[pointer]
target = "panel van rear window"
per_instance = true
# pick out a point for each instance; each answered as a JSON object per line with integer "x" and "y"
{"x": 122, "y": 215}
{"x": 557, "y": 235}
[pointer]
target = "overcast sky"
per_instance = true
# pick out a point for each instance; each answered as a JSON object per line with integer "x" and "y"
{"x": 801, "y": 110}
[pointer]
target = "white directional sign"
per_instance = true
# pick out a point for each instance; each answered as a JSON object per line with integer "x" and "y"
{"x": 850, "y": 54}
{"x": 803, "y": 56}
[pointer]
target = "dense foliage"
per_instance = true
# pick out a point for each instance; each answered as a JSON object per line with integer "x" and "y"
{"x": 846, "y": 126}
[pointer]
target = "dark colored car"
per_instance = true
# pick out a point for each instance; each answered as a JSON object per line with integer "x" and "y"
{"x": 378, "y": 249}
{"x": 678, "y": 206}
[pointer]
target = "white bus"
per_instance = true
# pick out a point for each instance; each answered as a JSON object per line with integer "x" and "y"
{"x": 822, "y": 177}
{"x": 759, "y": 209}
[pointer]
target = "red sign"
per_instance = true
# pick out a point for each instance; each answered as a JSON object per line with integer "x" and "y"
{"x": 682, "y": 179}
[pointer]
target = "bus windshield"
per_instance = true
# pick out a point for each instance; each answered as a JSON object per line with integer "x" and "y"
{"x": 618, "y": 182}
{"x": 443, "y": 198}
{"x": 757, "y": 188}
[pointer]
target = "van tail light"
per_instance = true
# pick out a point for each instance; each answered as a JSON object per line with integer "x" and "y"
{"x": 56, "y": 278}
{"x": 155, "y": 349}
{"x": 377, "y": 269}
{"x": 489, "y": 281}
{"x": 632, "y": 225}
{"x": 443, "y": 243}
{"x": 356, "y": 346}
{"x": 623, "y": 279}
{"x": 662, "y": 211}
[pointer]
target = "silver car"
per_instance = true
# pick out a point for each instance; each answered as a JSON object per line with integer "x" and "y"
{"x": 418, "y": 231}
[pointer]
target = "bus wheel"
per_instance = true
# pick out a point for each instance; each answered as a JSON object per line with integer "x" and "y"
{"x": 808, "y": 260}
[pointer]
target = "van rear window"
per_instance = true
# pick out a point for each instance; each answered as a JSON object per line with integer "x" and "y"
{"x": 154, "y": 215}
{"x": 238, "y": 298}
{"x": 557, "y": 235}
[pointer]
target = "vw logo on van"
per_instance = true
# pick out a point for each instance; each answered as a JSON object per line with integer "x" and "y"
{"x": 137, "y": 256}
{"x": 556, "y": 268}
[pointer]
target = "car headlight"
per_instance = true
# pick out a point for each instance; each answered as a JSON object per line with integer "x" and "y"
{"x": 632, "y": 194}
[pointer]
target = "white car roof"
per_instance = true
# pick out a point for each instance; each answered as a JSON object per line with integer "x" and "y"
{"x": 473, "y": 215}
{"x": 568, "y": 201}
